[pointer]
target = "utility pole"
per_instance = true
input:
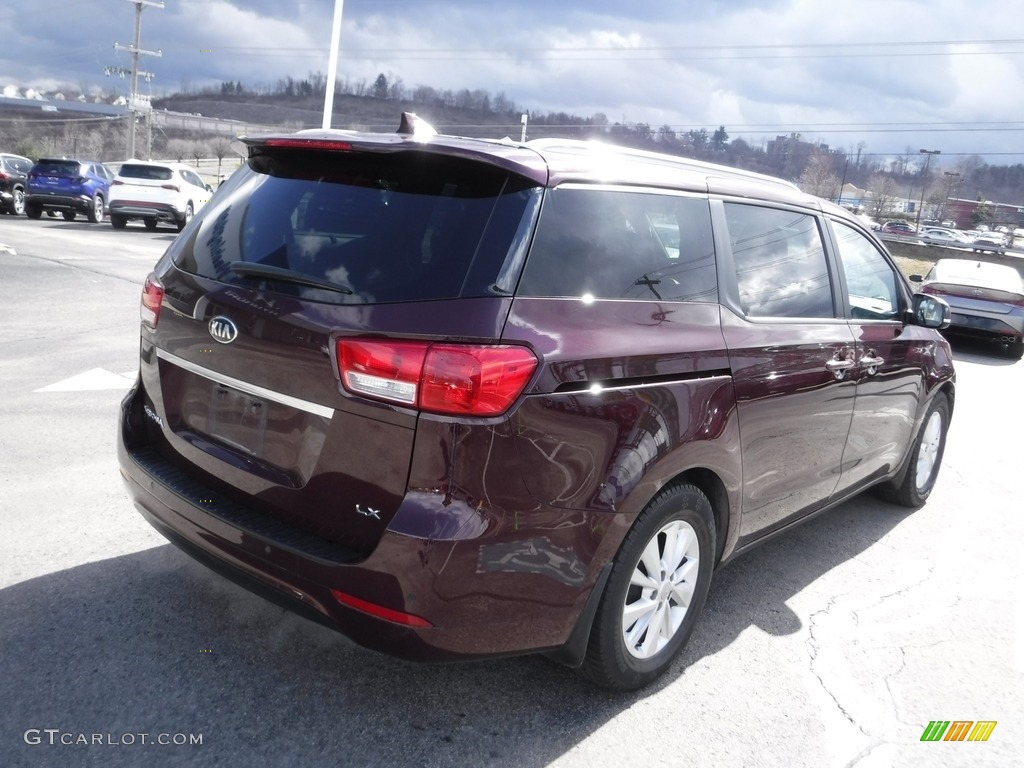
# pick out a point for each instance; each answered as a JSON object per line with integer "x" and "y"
{"x": 136, "y": 103}
{"x": 924, "y": 180}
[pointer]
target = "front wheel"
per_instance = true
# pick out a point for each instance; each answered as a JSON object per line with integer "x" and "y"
{"x": 925, "y": 458}
{"x": 655, "y": 592}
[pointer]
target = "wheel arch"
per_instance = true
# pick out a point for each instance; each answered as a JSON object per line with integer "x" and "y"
{"x": 574, "y": 652}
{"x": 712, "y": 486}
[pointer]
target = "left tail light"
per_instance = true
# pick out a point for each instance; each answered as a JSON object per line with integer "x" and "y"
{"x": 451, "y": 379}
{"x": 152, "y": 300}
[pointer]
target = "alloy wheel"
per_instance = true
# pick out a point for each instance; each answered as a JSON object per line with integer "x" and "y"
{"x": 661, "y": 589}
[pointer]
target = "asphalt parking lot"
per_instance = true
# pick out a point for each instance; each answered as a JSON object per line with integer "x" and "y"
{"x": 835, "y": 644}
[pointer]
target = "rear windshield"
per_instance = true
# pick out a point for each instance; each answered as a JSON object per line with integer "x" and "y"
{"x": 380, "y": 227}
{"x": 152, "y": 172}
{"x": 64, "y": 167}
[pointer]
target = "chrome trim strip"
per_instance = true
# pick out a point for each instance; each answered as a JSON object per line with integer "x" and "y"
{"x": 267, "y": 394}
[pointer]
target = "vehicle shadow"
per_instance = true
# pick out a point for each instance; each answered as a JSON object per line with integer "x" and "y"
{"x": 163, "y": 232}
{"x": 154, "y": 643}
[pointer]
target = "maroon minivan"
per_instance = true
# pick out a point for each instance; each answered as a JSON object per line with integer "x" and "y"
{"x": 460, "y": 398}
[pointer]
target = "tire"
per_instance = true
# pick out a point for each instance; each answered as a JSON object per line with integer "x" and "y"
{"x": 185, "y": 217}
{"x": 1015, "y": 349}
{"x": 96, "y": 210}
{"x": 150, "y": 223}
{"x": 16, "y": 206}
{"x": 625, "y": 652}
{"x": 117, "y": 221}
{"x": 33, "y": 210}
{"x": 925, "y": 458}
{"x": 68, "y": 215}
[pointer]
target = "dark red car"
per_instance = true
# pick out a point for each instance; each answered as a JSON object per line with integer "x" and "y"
{"x": 898, "y": 228}
{"x": 460, "y": 398}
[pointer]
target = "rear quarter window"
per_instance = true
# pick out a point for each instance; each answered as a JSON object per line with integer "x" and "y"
{"x": 612, "y": 244}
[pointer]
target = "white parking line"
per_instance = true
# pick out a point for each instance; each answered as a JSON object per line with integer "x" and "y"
{"x": 96, "y": 379}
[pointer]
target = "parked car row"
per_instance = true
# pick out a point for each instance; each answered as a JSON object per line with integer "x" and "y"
{"x": 151, "y": 192}
{"x": 980, "y": 240}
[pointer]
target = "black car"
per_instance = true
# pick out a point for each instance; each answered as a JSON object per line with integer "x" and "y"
{"x": 68, "y": 186}
{"x": 13, "y": 172}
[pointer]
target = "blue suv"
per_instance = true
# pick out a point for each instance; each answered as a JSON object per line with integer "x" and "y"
{"x": 68, "y": 186}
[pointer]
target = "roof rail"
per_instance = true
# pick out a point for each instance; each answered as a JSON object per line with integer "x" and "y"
{"x": 584, "y": 145}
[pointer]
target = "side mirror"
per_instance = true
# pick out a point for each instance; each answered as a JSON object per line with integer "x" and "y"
{"x": 916, "y": 279}
{"x": 209, "y": 188}
{"x": 931, "y": 312}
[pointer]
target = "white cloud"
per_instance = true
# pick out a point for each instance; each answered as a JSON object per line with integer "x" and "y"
{"x": 855, "y": 66}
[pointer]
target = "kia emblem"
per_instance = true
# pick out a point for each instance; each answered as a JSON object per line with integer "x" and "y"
{"x": 223, "y": 329}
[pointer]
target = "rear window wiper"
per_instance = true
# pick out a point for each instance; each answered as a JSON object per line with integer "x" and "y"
{"x": 267, "y": 272}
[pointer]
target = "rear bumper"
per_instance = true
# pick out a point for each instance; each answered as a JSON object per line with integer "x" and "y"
{"x": 483, "y": 595}
{"x": 144, "y": 210}
{"x": 1002, "y": 328}
{"x": 79, "y": 203}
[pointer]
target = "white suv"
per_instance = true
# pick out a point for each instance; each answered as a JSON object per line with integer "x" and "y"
{"x": 154, "y": 192}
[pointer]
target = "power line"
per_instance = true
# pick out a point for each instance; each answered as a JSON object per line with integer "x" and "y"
{"x": 724, "y": 53}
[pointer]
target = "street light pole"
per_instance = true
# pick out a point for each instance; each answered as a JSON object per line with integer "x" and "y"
{"x": 332, "y": 64}
{"x": 924, "y": 183}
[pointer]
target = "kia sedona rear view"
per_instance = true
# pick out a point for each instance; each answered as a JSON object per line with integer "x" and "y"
{"x": 324, "y": 389}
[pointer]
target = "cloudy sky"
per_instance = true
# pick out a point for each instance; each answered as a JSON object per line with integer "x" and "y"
{"x": 935, "y": 74}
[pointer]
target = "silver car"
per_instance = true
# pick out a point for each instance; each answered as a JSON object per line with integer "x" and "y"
{"x": 943, "y": 236}
{"x": 990, "y": 241}
{"x": 987, "y": 300}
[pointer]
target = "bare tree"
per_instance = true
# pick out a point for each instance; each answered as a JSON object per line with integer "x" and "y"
{"x": 198, "y": 151}
{"x": 819, "y": 177}
{"x": 178, "y": 149}
{"x": 221, "y": 148}
{"x": 882, "y": 189}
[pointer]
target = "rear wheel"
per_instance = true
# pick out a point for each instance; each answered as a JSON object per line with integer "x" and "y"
{"x": 925, "y": 458}
{"x": 33, "y": 210}
{"x": 117, "y": 221}
{"x": 186, "y": 217}
{"x": 1015, "y": 349}
{"x": 150, "y": 223}
{"x": 655, "y": 592}
{"x": 17, "y": 201}
{"x": 96, "y": 210}
{"x": 68, "y": 215}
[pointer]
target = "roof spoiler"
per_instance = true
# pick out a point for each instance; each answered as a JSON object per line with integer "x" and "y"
{"x": 415, "y": 126}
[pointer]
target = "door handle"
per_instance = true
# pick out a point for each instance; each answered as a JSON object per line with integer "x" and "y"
{"x": 871, "y": 361}
{"x": 838, "y": 366}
